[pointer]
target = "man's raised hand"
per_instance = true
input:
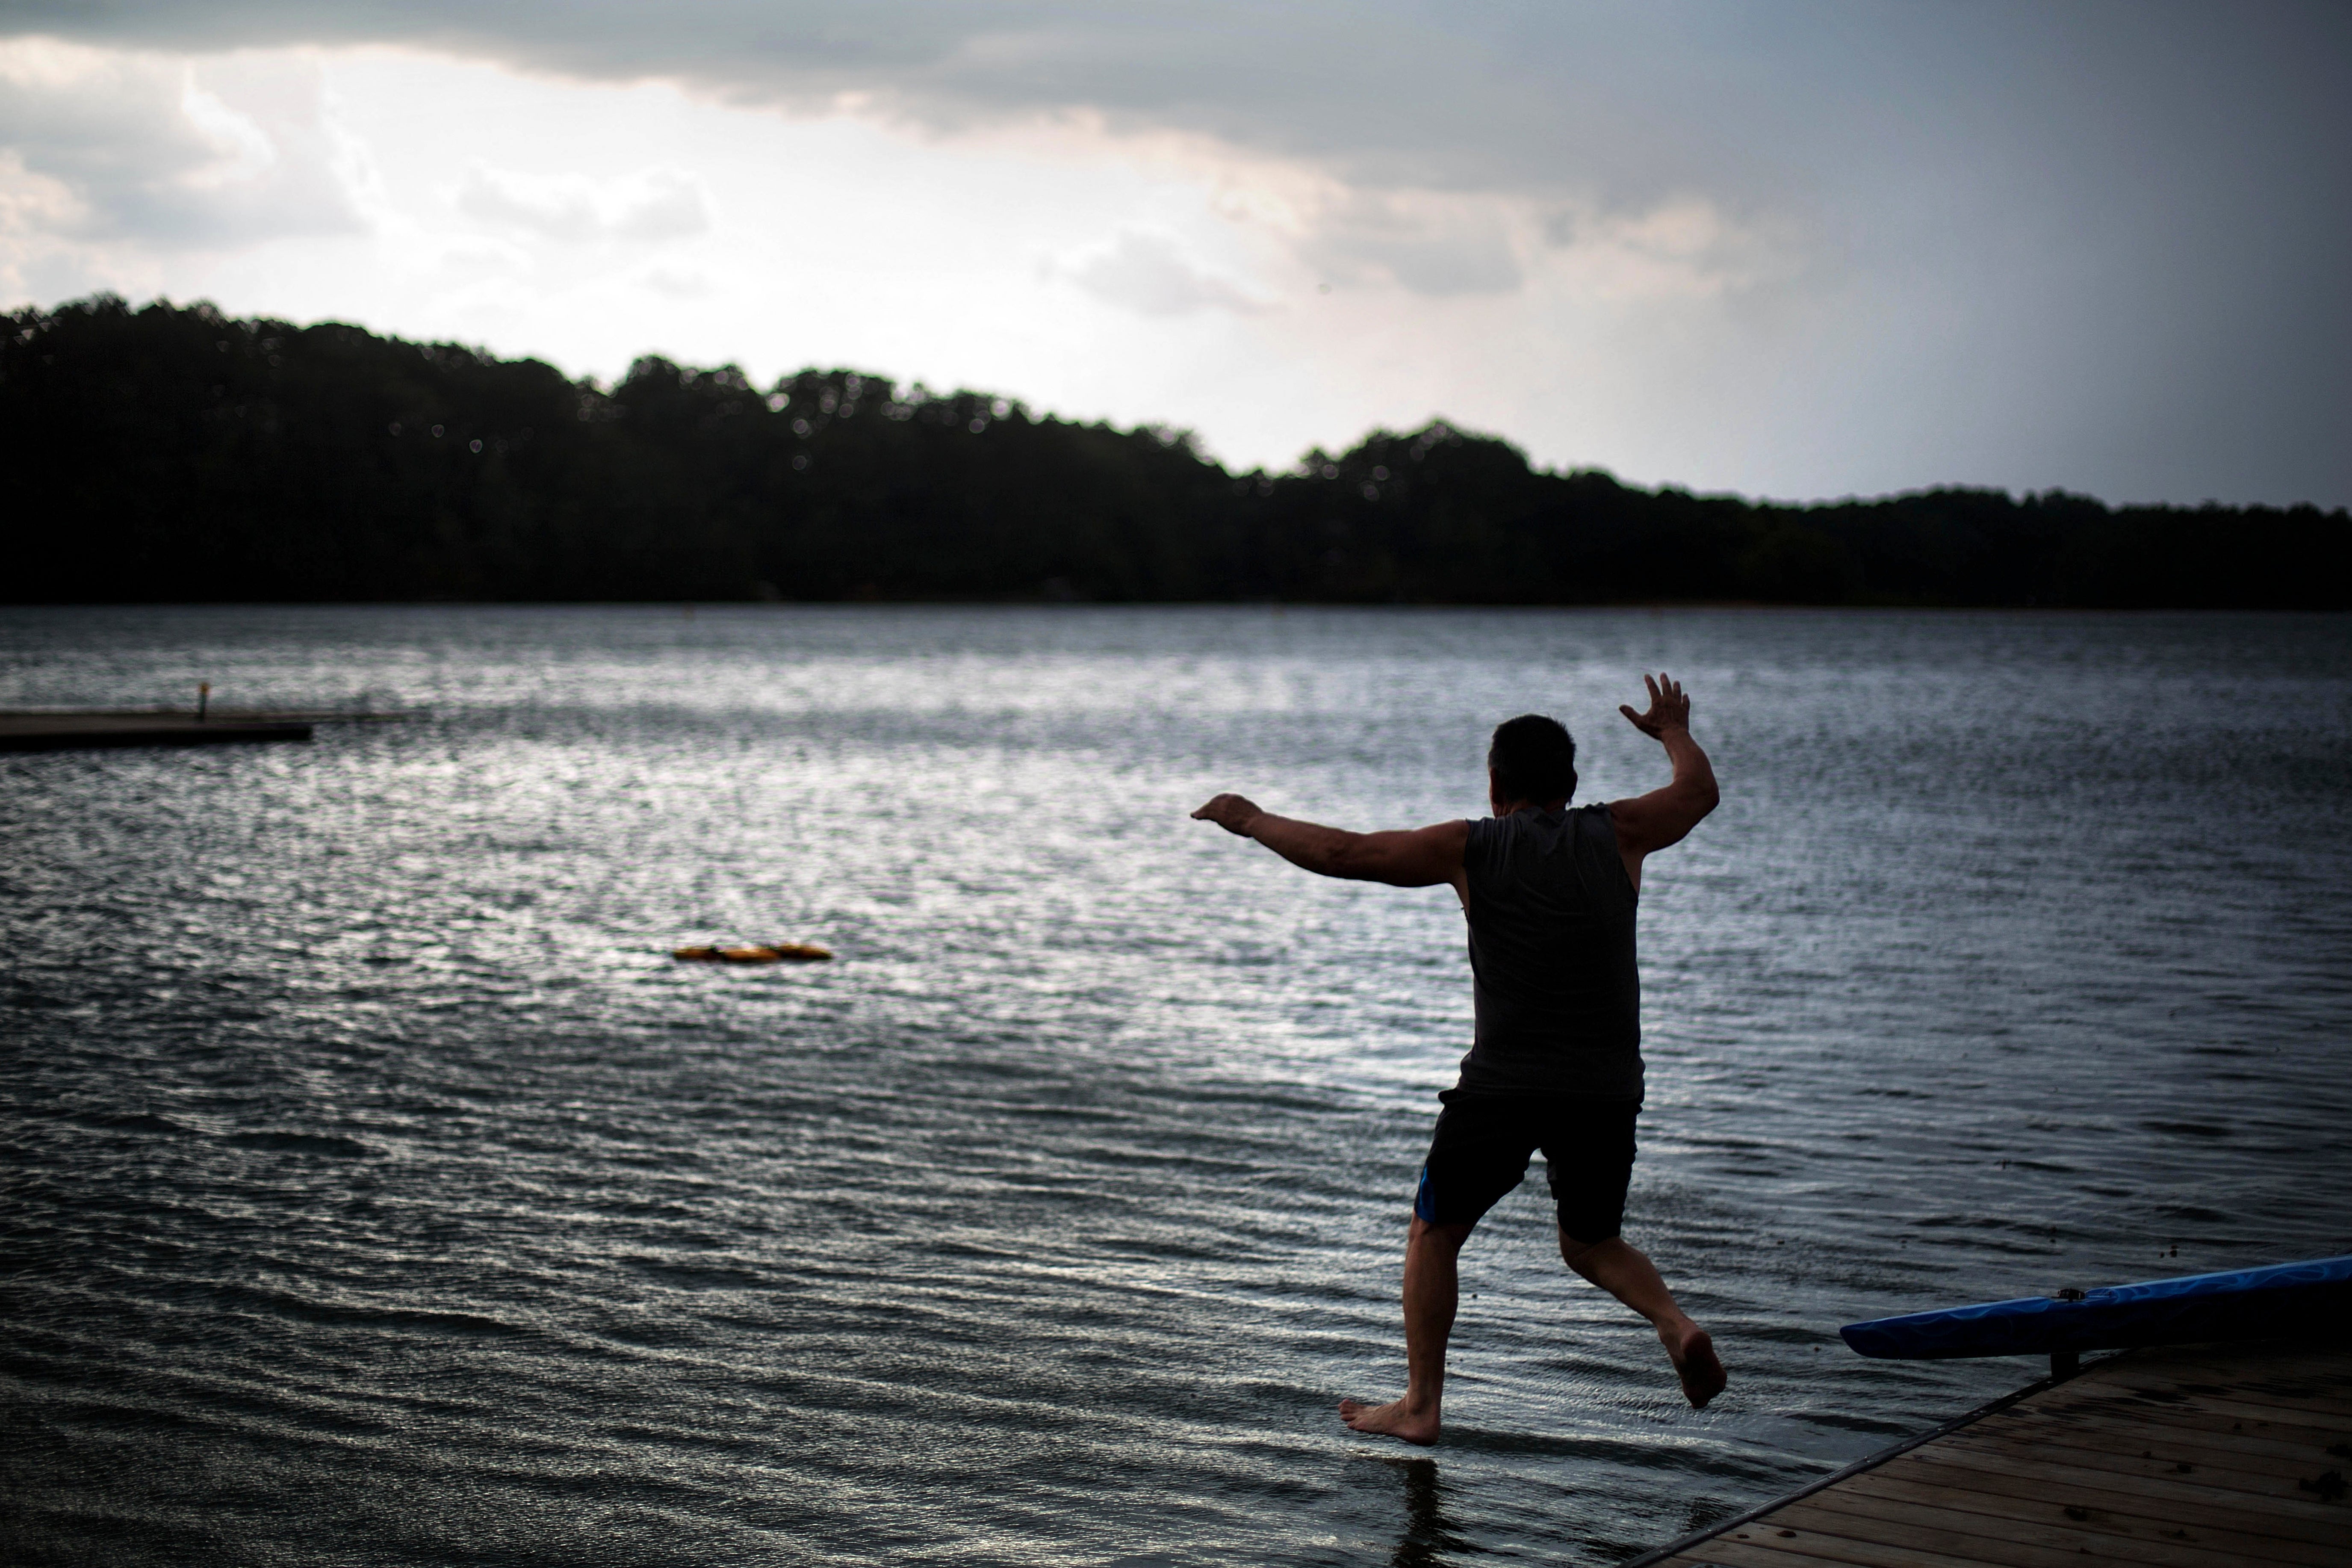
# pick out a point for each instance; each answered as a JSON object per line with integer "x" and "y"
{"x": 1232, "y": 813}
{"x": 1669, "y": 709}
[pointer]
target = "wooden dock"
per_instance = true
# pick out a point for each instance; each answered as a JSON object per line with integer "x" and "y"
{"x": 74, "y": 728}
{"x": 2191, "y": 1457}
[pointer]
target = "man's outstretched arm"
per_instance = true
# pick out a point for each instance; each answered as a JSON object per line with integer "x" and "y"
{"x": 1418, "y": 858}
{"x": 1650, "y": 821}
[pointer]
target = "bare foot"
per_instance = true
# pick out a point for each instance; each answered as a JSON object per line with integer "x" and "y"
{"x": 1693, "y": 1354}
{"x": 1389, "y": 1420}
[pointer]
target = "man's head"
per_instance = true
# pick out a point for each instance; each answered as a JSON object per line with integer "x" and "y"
{"x": 1530, "y": 762}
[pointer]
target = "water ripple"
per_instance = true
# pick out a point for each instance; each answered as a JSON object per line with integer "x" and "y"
{"x": 378, "y": 1192}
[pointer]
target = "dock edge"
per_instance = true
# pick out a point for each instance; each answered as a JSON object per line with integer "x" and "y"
{"x": 1862, "y": 1466}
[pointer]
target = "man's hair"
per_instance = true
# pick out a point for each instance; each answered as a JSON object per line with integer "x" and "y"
{"x": 1533, "y": 759}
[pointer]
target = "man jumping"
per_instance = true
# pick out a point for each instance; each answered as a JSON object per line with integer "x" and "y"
{"x": 1555, "y": 1058}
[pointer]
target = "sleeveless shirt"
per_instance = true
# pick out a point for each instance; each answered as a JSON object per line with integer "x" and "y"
{"x": 1550, "y": 910}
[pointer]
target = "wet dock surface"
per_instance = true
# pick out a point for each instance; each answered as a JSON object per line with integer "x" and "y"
{"x": 2194, "y": 1456}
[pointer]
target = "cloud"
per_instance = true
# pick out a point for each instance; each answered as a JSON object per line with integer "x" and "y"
{"x": 1445, "y": 127}
{"x": 1428, "y": 243}
{"x": 655, "y": 206}
{"x": 1572, "y": 101}
{"x": 1378, "y": 96}
{"x": 1684, "y": 248}
{"x": 2096, "y": 245}
{"x": 107, "y": 145}
{"x": 1150, "y": 274}
{"x": 674, "y": 284}
{"x": 1620, "y": 102}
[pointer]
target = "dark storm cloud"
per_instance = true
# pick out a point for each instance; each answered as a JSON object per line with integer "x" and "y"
{"x": 2022, "y": 114}
{"x": 1430, "y": 92}
{"x": 1514, "y": 97}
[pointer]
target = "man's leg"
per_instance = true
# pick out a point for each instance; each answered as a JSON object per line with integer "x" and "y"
{"x": 1620, "y": 1268}
{"x": 1430, "y": 1293}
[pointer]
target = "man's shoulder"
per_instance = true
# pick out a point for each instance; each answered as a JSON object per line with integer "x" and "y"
{"x": 1534, "y": 833}
{"x": 1536, "y": 821}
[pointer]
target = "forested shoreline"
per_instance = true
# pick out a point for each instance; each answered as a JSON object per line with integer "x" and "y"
{"x": 173, "y": 454}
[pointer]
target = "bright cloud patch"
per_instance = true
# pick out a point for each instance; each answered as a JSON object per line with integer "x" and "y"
{"x": 139, "y": 147}
{"x": 1151, "y": 274}
{"x": 658, "y": 204}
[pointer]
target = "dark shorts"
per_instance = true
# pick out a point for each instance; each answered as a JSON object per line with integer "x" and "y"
{"x": 1483, "y": 1142}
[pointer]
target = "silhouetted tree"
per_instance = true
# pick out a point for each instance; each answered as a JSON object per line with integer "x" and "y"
{"x": 172, "y": 453}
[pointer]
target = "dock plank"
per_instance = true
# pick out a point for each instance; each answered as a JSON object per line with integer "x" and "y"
{"x": 2209, "y": 1467}
{"x": 1741, "y": 1555}
{"x": 2286, "y": 1518}
{"x": 2085, "y": 1521}
{"x": 2268, "y": 1400}
{"x": 2249, "y": 1411}
{"x": 1996, "y": 1536}
{"x": 80, "y": 732}
{"x": 78, "y": 729}
{"x": 2326, "y": 1365}
{"x": 1752, "y": 1545}
{"x": 2127, "y": 1413}
{"x": 2195, "y": 1458}
{"x": 2069, "y": 1467}
{"x": 2226, "y": 1449}
{"x": 2320, "y": 1376}
{"x": 2335, "y": 1403}
{"x": 2235, "y": 1450}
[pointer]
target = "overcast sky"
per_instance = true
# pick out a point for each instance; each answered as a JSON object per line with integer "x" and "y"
{"x": 1789, "y": 250}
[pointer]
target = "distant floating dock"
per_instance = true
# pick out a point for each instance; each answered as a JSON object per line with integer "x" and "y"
{"x": 2189, "y": 1457}
{"x": 57, "y": 730}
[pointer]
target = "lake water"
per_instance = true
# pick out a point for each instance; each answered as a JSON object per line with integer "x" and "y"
{"x": 378, "y": 1192}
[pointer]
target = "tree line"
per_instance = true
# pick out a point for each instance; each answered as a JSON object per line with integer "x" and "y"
{"x": 170, "y": 453}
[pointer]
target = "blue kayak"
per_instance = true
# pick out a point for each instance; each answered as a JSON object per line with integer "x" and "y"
{"x": 2281, "y": 1300}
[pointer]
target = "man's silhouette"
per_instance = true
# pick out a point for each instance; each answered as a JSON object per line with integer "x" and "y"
{"x": 1555, "y": 1063}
